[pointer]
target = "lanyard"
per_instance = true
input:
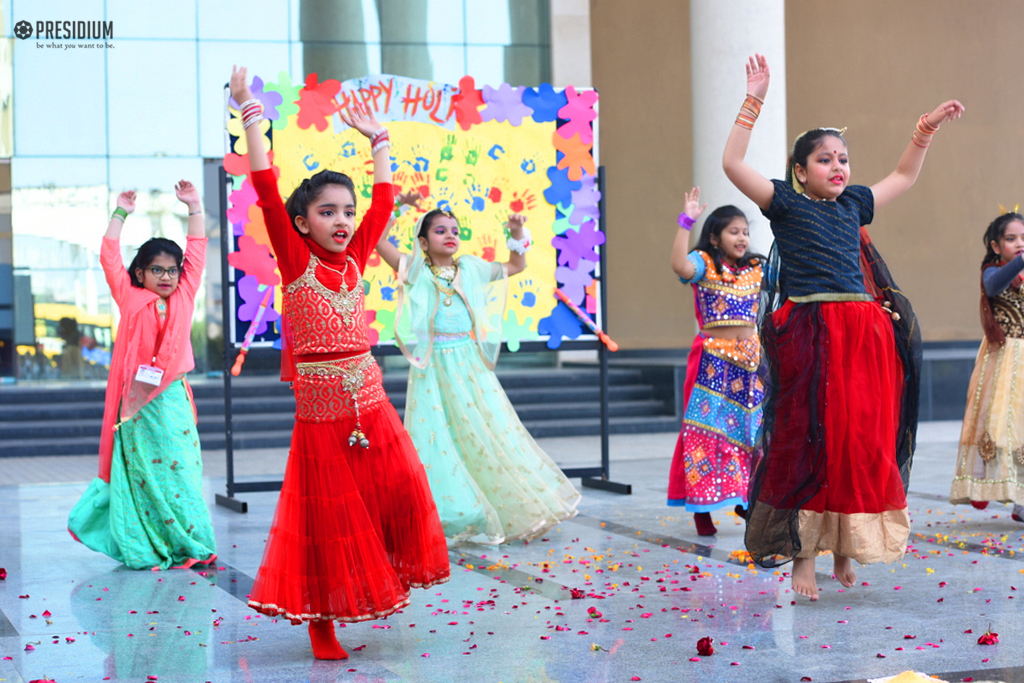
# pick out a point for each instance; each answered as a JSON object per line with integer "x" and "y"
{"x": 163, "y": 330}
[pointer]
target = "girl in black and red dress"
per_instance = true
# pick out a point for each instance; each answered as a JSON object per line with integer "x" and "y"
{"x": 842, "y": 353}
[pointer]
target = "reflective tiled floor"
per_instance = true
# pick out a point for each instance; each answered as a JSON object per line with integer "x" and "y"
{"x": 508, "y": 615}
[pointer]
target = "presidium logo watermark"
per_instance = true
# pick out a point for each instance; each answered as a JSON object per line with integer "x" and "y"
{"x": 67, "y": 35}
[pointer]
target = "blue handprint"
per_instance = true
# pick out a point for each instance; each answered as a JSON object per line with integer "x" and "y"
{"x": 310, "y": 163}
{"x": 496, "y": 152}
{"x": 528, "y": 296}
{"x": 529, "y": 166}
{"x": 387, "y": 292}
{"x": 477, "y": 197}
{"x": 348, "y": 149}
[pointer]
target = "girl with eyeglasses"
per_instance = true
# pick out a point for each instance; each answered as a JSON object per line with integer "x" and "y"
{"x": 355, "y": 526}
{"x": 842, "y": 352}
{"x": 491, "y": 481}
{"x": 146, "y": 508}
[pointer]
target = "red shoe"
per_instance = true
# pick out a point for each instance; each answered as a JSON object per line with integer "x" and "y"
{"x": 705, "y": 527}
{"x": 324, "y": 641}
{"x": 979, "y": 504}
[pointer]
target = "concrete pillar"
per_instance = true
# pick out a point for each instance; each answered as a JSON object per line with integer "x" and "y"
{"x": 723, "y": 33}
{"x": 570, "y": 43}
{"x": 332, "y": 37}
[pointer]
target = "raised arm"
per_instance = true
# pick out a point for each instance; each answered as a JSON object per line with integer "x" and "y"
{"x": 746, "y": 179}
{"x": 692, "y": 209}
{"x": 189, "y": 196}
{"x": 520, "y": 237}
{"x": 362, "y": 119}
{"x": 250, "y": 109}
{"x": 388, "y": 251}
{"x": 125, "y": 205}
{"x": 909, "y": 166}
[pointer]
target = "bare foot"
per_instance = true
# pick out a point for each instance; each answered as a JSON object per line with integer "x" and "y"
{"x": 803, "y": 578}
{"x": 843, "y": 569}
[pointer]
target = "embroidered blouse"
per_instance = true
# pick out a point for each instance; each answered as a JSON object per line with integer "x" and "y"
{"x": 726, "y": 299}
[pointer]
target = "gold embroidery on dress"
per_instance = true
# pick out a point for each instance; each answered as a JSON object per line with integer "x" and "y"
{"x": 345, "y": 300}
{"x": 987, "y": 447}
{"x": 1008, "y": 311}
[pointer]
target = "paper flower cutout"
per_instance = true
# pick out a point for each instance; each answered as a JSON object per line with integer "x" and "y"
{"x": 241, "y": 145}
{"x": 317, "y": 103}
{"x": 372, "y": 335}
{"x": 574, "y": 245}
{"x": 560, "y": 191}
{"x": 592, "y": 298}
{"x": 289, "y": 96}
{"x": 579, "y": 110}
{"x": 561, "y": 323}
{"x": 241, "y": 199}
{"x": 238, "y": 164}
{"x": 577, "y": 159}
{"x": 562, "y": 224}
{"x": 544, "y": 102}
{"x": 387, "y": 321}
{"x": 504, "y": 104}
{"x": 585, "y": 200}
{"x": 576, "y": 280}
{"x": 255, "y": 259}
{"x": 515, "y": 332}
{"x": 252, "y": 294}
{"x": 467, "y": 103}
{"x": 268, "y": 98}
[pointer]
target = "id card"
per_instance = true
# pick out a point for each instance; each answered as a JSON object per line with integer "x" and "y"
{"x": 149, "y": 374}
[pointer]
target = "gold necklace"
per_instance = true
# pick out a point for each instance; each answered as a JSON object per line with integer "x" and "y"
{"x": 444, "y": 274}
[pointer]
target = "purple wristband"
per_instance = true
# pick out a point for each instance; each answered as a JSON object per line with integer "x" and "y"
{"x": 685, "y": 222}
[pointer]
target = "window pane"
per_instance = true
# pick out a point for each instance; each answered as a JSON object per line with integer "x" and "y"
{"x": 134, "y": 19}
{"x": 144, "y": 122}
{"x": 59, "y": 107}
{"x": 219, "y": 20}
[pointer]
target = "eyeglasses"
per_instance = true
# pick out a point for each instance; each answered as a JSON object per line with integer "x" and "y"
{"x": 158, "y": 272}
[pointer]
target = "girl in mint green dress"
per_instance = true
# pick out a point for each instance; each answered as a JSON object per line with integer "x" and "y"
{"x": 491, "y": 481}
{"x": 145, "y": 508}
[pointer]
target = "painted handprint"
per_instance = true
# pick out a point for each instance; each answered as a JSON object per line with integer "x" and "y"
{"x": 477, "y": 198}
{"x": 448, "y": 150}
{"x": 472, "y": 156}
{"x": 522, "y": 201}
{"x": 487, "y": 244}
{"x": 387, "y": 287}
{"x": 527, "y": 294}
{"x": 444, "y": 199}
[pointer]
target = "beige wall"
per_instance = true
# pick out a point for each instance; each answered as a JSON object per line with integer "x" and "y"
{"x": 640, "y": 53}
{"x": 898, "y": 60}
{"x": 874, "y": 66}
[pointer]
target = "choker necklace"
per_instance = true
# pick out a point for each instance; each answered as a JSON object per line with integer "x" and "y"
{"x": 444, "y": 275}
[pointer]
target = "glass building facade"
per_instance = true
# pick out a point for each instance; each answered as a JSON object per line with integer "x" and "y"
{"x": 83, "y": 119}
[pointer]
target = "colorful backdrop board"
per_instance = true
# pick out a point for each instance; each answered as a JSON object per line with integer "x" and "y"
{"x": 482, "y": 153}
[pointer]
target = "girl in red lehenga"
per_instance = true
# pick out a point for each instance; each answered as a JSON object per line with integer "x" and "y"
{"x": 355, "y": 525}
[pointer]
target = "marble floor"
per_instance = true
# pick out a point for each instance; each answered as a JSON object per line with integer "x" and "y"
{"x": 651, "y": 589}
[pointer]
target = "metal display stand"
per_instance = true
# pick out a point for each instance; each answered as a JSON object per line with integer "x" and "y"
{"x": 596, "y": 477}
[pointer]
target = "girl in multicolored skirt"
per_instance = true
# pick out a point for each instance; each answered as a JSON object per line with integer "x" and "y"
{"x": 723, "y": 394}
{"x": 355, "y": 525}
{"x": 990, "y": 462}
{"x": 842, "y": 354}
{"x": 146, "y": 507}
{"x": 491, "y": 481}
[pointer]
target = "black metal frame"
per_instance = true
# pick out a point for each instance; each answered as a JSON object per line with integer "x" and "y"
{"x": 590, "y": 477}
